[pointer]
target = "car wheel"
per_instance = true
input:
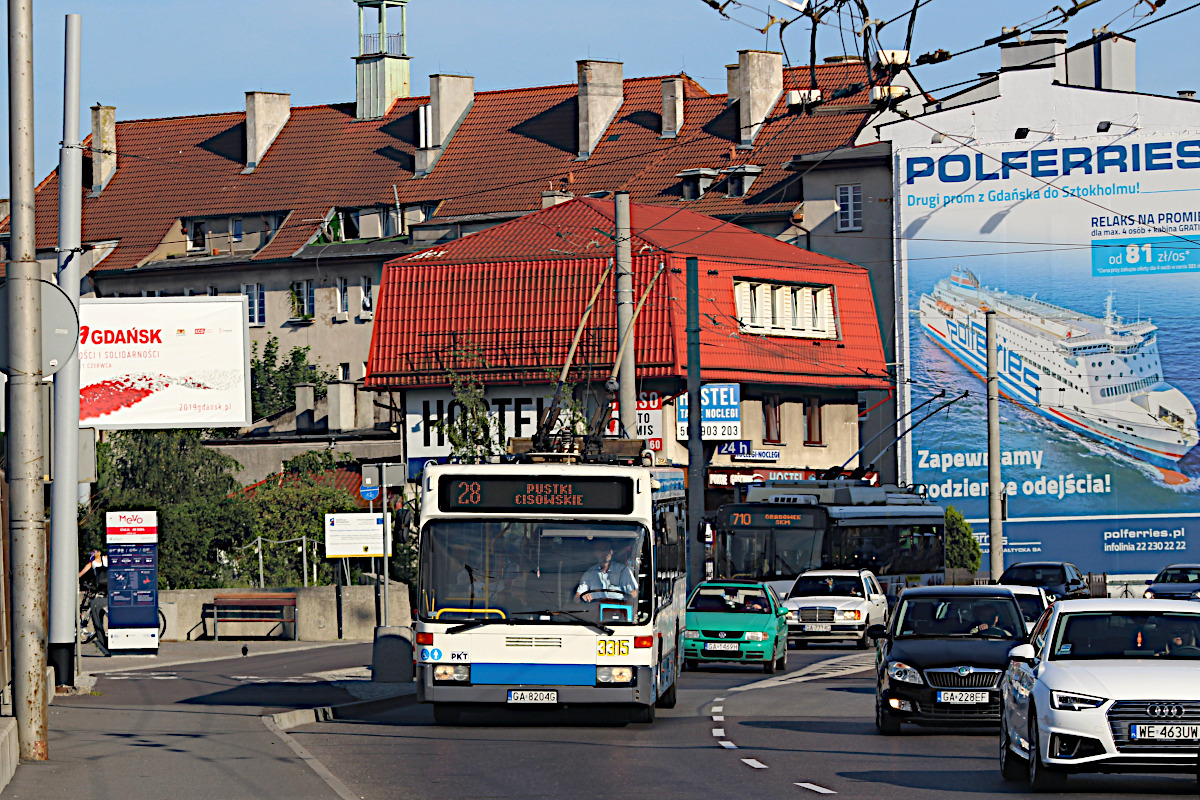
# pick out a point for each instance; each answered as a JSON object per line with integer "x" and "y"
{"x": 769, "y": 667}
{"x": 1041, "y": 777}
{"x": 885, "y": 722}
{"x": 863, "y": 643}
{"x": 1012, "y": 766}
{"x": 781, "y": 662}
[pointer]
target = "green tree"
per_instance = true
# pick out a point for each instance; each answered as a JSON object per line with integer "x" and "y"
{"x": 467, "y": 426}
{"x": 273, "y": 377}
{"x": 962, "y": 549}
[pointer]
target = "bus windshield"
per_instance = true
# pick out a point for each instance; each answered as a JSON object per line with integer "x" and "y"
{"x": 765, "y": 553}
{"x": 533, "y": 570}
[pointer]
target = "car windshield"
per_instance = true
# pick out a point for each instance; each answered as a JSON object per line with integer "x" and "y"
{"x": 1031, "y": 606}
{"x": 1179, "y": 575}
{"x": 735, "y": 599}
{"x": 1141, "y": 634}
{"x": 1034, "y": 576}
{"x": 827, "y": 586}
{"x": 537, "y": 570}
{"x": 985, "y": 617}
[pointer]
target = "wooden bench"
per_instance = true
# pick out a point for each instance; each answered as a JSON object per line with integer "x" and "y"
{"x": 253, "y": 607}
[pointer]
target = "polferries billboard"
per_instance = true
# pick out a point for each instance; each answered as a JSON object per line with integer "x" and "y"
{"x": 1088, "y": 250}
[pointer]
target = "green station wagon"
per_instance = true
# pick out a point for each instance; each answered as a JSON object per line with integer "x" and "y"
{"x": 739, "y": 621}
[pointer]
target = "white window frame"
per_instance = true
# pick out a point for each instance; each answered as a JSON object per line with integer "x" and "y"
{"x": 344, "y": 371}
{"x": 849, "y": 207}
{"x": 236, "y": 229}
{"x": 367, "y": 303}
{"x": 304, "y": 289}
{"x": 343, "y": 295}
{"x": 786, "y": 309}
{"x": 256, "y": 310}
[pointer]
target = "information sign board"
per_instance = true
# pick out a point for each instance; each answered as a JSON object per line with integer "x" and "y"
{"x": 350, "y": 535}
{"x": 132, "y": 538}
{"x": 720, "y": 413}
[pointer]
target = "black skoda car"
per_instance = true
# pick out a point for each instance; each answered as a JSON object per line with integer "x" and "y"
{"x": 940, "y": 659}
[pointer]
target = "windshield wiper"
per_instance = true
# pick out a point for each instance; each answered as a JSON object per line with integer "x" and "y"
{"x": 477, "y": 623}
{"x": 581, "y": 620}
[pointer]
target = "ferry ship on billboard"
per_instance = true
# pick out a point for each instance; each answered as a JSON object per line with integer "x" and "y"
{"x": 1097, "y": 376}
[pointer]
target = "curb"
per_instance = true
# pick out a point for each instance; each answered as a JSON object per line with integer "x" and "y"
{"x": 306, "y": 716}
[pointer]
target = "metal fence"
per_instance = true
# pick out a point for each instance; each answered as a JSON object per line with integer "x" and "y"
{"x": 393, "y": 42}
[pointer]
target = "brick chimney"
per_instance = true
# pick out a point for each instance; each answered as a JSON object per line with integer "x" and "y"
{"x": 104, "y": 146}
{"x": 266, "y": 114}
{"x": 760, "y": 79}
{"x": 672, "y": 107}
{"x": 450, "y": 99}
{"x": 601, "y": 93}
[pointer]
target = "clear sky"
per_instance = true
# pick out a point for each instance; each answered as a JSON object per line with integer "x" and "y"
{"x": 154, "y": 58}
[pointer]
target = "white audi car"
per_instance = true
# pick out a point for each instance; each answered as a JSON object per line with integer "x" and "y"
{"x": 1105, "y": 685}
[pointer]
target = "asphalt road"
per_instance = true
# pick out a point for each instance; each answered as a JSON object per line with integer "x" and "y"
{"x": 734, "y": 734}
{"x": 188, "y": 732}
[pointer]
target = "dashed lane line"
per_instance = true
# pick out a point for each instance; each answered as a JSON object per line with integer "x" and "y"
{"x": 728, "y": 745}
{"x": 812, "y": 787}
{"x": 718, "y": 718}
{"x": 717, "y": 709}
{"x": 719, "y": 733}
{"x": 754, "y": 762}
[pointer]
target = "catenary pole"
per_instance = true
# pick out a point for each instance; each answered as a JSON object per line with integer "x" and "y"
{"x": 64, "y": 491}
{"x": 387, "y": 539}
{"x": 696, "y": 465}
{"x": 627, "y": 377}
{"x": 995, "y": 485}
{"x": 27, "y": 514}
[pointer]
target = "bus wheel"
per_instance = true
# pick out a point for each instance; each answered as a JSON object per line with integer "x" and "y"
{"x": 668, "y": 698}
{"x": 642, "y": 714}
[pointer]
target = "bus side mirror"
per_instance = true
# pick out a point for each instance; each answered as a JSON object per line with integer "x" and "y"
{"x": 671, "y": 524}
{"x": 704, "y": 533}
{"x": 404, "y": 522}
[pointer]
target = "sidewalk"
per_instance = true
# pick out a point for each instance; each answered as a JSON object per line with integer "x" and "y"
{"x": 156, "y": 727}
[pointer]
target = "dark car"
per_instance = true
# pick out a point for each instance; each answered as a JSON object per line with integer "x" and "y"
{"x": 940, "y": 660}
{"x": 1176, "y": 582}
{"x": 1060, "y": 579}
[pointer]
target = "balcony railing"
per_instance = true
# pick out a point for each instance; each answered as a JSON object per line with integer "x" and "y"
{"x": 393, "y": 42}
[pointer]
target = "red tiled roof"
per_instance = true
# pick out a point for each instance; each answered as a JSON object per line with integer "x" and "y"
{"x": 512, "y": 145}
{"x": 504, "y": 304}
{"x": 345, "y": 478}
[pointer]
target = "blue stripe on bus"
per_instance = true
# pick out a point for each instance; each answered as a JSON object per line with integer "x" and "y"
{"x": 534, "y": 674}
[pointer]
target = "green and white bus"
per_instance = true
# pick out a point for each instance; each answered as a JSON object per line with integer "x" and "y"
{"x": 550, "y": 584}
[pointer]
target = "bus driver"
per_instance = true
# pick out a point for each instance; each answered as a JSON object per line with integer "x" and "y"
{"x": 607, "y": 580}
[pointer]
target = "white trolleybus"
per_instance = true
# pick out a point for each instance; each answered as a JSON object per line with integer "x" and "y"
{"x": 550, "y": 584}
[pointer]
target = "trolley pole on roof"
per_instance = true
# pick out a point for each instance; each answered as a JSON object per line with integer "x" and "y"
{"x": 696, "y": 459}
{"x": 627, "y": 377}
{"x": 995, "y": 484}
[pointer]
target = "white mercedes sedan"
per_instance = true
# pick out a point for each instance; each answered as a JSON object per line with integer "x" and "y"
{"x": 1105, "y": 685}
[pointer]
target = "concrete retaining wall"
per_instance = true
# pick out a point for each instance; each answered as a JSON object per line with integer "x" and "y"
{"x": 10, "y": 750}
{"x": 316, "y": 614}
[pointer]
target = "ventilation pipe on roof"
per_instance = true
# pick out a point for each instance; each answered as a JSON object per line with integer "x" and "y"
{"x": 450, "y": 99}
{"x": 266, "y": 114}
{"x": 1042, "y": 50}
{"x": 601, "y": 93}
{"x": 733, "y": 84}
{"x": 760, "y": 75}
{"x": 104, "y": 146}
{"x": 305, "y": 407}
{"x": 1106, "y": 61}
{"x": 672, "y": 108}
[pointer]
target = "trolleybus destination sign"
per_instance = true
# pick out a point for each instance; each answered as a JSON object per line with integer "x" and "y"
{"x": 574, "y": 495}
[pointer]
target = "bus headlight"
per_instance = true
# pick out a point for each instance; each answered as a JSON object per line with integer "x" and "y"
{"x": 614, "y": 675}
{"x": 757, "y": 636}
{"x": 452, "y": 672}
{"x": 691, "y": 634}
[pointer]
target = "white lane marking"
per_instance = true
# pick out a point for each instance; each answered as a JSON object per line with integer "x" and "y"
{"x": 717, "y": 709}
{"x": 339, "y": 788}
{"x": 718, "y": 699}
{"x": 718, "y": 718}
{"x": 142, "y": 676}
{"x": 830, "y": 668}
{"x": 754, "y": 762}
{"x": 719, "y": 733}
{"x": 812, "y": 787}
{"x": 729, "y": 745}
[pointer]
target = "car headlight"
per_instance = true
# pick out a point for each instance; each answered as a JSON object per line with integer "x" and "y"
{"x": 855, "y": 614}
{"x": 452, "y": 672}
{"x": 1196, "y": 595}
{"x": 791, "y": 616}
{"x": 1148, "y": 594}
{"x": 899, "y": 671}
{"x": 614, "y": 674}
{"x": 1072, "y": 701}
{"x": 757, "y": 636}
{"x": 691, "y": 634}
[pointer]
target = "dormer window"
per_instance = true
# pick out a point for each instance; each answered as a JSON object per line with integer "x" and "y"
{"x": 786, "y": 309}
{"x": 696, "y": 181}
{"x": 739, "y": 179}
{"x": 197, "y": 236}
